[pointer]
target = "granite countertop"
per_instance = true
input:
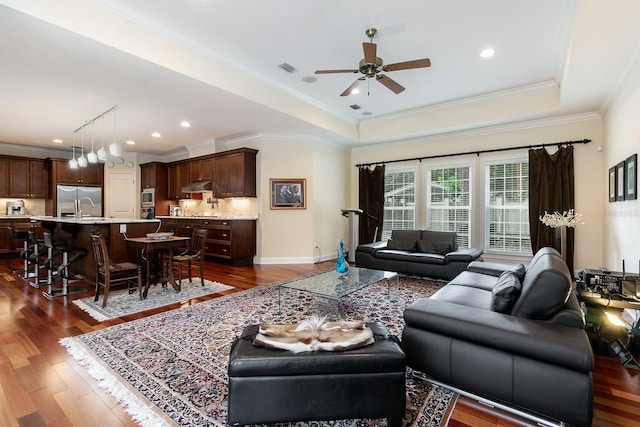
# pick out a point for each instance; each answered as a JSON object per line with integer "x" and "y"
{"x": 92, "y": 220}
{"x": 215, "y": 216}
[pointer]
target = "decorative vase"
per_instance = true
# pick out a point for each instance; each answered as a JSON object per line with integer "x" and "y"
{"x": 561, "y": 240}
{"x": 341, "y": 264}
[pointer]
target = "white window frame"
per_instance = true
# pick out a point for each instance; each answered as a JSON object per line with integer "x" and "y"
{"x": 398, "y": 169}
{"x": 428, "y": 169}
{"x": 519, "y": 158}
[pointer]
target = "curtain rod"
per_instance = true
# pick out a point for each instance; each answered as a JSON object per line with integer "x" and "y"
{"x": 477, "y": 152}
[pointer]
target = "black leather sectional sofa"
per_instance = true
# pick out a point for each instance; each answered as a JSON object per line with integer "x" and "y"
{"x": 508, "y": 334}
{"x": 426, "y": 253}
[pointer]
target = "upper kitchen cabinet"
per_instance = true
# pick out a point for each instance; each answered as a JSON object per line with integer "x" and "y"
{"x": 201, "y": 169}
{"x": 4, "y": 177}
{"x": 28, "y": 178}
{"x": 179, "y": 176}
{"x": 93, "y": 174}
{"x": 154, "y": 175}
{"x": 234, "y": 173}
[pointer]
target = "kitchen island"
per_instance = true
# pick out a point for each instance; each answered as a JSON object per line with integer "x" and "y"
{"x": 77, "y": 231}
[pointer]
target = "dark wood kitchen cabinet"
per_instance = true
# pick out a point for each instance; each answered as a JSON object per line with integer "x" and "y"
{"x": 179, "y": 176}
{"x": 232, "y": 240}
{"x": 93, "y": 174}
{"x": 235, "y": 173}
{"x": 7, "y": 244}
{"x": 4, "y": 177}
{"x": 201, "y": 169}
{"x": 28, "y": 178}
{"x": 154, "y": 175}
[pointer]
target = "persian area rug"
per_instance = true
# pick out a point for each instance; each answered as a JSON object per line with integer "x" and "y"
{"x": 170, "y": 369}
{"x": 120, "y": 303}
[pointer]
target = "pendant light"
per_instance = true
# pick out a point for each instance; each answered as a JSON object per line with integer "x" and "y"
{"x": 73, "y": 163}
{"x": 92, "y": 157}
{"x": 82, "y": 160}
{"x": 114, "y": 148}
{"x": 102, "y": 153}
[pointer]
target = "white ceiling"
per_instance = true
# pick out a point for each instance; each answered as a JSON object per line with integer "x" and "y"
{"x": 215, "y": 64}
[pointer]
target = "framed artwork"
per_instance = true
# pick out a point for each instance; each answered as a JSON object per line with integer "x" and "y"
{"x": 631, "y": 178}
{"x": 612, "y": 184}
{"x": 620, "y": 181}
{"x": 288, "y": 193}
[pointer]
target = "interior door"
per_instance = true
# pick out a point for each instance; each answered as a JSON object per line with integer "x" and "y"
{"x": 121, "y": 195}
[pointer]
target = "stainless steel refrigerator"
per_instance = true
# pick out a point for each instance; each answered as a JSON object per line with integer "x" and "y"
{"x": 73, "y": 200}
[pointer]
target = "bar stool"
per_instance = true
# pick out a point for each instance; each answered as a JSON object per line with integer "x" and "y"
{"x": 35, "y": 258}
{"x": 22, "y": 235}
{"x": 70, "y": 255}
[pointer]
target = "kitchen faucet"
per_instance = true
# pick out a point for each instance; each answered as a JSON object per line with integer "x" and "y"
{"x": 78, "y": 205}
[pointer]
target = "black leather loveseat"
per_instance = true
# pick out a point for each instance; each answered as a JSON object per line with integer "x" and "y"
{"x": 427, "y": 253}
{"x": 509, "y": 335}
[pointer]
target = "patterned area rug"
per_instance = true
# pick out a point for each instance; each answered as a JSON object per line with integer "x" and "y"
{"x": 171, "y": 368}
{"x": 120, "y": 303}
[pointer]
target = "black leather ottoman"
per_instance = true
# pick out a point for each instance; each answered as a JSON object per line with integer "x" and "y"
{"x": 269, "y": 386}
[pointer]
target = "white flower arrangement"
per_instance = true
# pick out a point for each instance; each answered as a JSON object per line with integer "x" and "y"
{"x": 557, "y": 219}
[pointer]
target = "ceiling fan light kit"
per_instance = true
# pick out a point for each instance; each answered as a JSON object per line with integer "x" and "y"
{"x": 371, "y": 66}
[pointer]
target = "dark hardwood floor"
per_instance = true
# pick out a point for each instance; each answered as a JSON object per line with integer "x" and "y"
{"x": 40, "y": 385}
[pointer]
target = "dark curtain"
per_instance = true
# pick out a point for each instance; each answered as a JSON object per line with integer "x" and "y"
{"x": 371, "y": 201}
{"x": 550, "y": 189}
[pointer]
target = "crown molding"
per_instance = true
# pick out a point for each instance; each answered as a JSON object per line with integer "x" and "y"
{"x": 487, "y": 130}
{"x": 487, "y": 97}
{"x": 31, "y": 151}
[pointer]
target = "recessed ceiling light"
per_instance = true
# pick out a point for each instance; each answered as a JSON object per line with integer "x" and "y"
{"x": 309, "y": 79}
{"x": 367, "y": 113}
{"x": 487, "y": 53}
{"x": 131, "y": 142}
{"x": 156, "y": 135}
{"x": 57, "y": 141}
{"x": 185, "y": 124}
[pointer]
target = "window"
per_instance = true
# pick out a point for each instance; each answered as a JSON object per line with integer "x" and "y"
{"x": 507, "y": 207}
{"x": 399, "y": 202}
{"x": 449, "y": 202}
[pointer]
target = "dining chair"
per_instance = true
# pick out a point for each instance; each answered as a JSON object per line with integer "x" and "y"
{"x": 109, "y": 273}
{"x": 193, "y": 253}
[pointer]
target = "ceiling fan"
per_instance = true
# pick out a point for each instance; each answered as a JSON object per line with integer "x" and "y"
{"x": 371, "y": 66}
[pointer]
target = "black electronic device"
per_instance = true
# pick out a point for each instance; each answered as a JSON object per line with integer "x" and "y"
{"x": 624, "y": 355}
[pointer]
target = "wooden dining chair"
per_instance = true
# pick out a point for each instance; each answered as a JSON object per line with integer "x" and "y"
{"x": 194, "y": 253}
{"x": 109, "y": 273}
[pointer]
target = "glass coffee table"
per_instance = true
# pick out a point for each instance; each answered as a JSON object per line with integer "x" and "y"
{"x": 332, "y": 286}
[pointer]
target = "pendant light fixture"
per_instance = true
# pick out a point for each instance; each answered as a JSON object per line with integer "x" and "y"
{"x": 82, "y": 160}
{"x": 92, "y": 157}
{"x": 73, "y": 163}
{"x": 114, "y": 148}
{"x": 102, "y": 153}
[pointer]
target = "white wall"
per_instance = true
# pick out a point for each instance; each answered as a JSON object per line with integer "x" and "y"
{"x": 588, "y": 161}
{"x": 622, "y": 139}
{"x": 287, "y": 236}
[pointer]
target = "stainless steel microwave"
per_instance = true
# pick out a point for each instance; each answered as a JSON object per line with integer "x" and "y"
{"x": 148, "y": 197}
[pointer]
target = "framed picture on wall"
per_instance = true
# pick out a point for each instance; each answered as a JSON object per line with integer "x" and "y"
{"x": 612, "y": 184}
{"x": 288, "y": 194}
{"x": 620, "y": 184}
{"x": 631, "y": 178}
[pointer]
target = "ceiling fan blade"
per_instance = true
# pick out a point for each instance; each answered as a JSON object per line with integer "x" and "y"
{"x": 335, "y": 71}
{"x": 352, "y": 87}
{"x": 391, "y": 84}
{"x": 407, "y": 65}
{"x": 369, "y": 52}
